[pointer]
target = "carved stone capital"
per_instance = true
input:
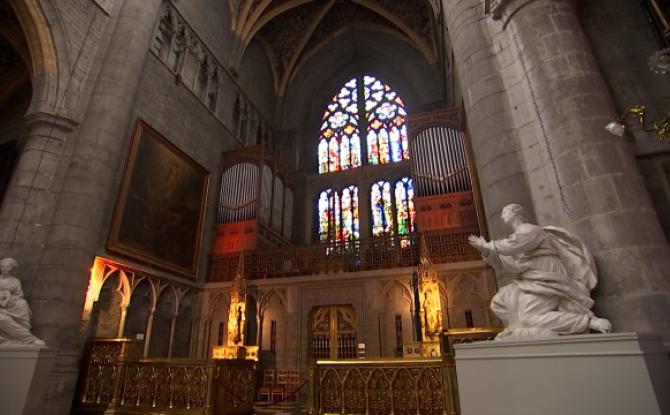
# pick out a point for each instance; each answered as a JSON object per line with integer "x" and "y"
{"x": 37, "y": 121}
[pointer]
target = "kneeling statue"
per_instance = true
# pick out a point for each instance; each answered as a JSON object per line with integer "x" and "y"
{"x": 553, "y": 276}
{"x": 14, "y": 310}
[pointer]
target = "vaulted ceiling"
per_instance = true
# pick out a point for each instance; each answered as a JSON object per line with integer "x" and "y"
{"x": 293, "y": 30}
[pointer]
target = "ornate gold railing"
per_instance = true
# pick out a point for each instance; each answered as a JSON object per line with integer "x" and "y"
{"x": 100, "y": 369}
{"x": 366, "y": 254}
{"x": 115, "y": 384}
{"x": 394, "y": 386}
{"x": 376, "y": 387}
{"x": 156, "y": 384}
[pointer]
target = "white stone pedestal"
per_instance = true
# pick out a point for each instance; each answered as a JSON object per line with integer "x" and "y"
{"x": 24, "y": 372}
{"x": 594, "y": 374}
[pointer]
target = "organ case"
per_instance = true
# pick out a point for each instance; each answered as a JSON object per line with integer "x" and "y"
{"x": 255, "y": 203}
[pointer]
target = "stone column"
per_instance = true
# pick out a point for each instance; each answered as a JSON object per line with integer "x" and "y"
{"x": 88, "y": 188}
{"x": 606, "y": 197}
{"x": 582, "y": 177}
{"x": 147, "y": 335}
{"x": 122, "y": 321}
{"x": 88, "y": 191}
{"x": 30, "y": 200}
{"x": 173, "y": 327}
{"x": 495, "y": 145}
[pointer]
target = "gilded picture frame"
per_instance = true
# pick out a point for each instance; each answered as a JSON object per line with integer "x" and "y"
{"x": 160, "y": 207}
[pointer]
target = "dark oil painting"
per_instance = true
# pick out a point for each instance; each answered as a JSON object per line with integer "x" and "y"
{"x": 159, "y": 210}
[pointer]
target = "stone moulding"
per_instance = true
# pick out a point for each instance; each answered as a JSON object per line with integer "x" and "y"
{"x": 496, "y": 8}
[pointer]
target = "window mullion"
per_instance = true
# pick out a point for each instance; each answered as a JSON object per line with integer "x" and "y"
{"x": 362, "y": 120}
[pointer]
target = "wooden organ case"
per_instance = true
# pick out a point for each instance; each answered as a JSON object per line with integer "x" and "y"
{"x": 255, "y": 203}
{"x": 443, "y": 179}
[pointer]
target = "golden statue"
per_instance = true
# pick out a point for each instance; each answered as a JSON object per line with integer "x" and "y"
{"x": 237, "y": 309}
{"x": 429, "y": 296}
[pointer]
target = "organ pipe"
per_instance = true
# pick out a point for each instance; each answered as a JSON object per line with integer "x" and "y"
{"x": 440, "y": 162}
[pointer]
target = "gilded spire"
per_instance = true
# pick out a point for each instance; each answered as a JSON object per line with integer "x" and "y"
{"x": 240, "y": 267}
{"x": 239, "y": 288}
{"x": 424, "y": 251}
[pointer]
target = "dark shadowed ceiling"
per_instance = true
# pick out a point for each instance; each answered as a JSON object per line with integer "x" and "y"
{"x": 293, "y": 30}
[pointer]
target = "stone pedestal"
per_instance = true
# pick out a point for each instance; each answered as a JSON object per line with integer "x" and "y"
{"x": 24, "y": 374}
{"x": 609, "y": 374}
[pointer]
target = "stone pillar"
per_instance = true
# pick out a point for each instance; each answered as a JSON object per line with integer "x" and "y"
{"x": 606, "y": 197}
{"x": 29, "y": 200}
{"x": 173, "y": 327}
{"x": 122, "y": 321}
{"x": 147, "y": 335}
{"x": 582, "y": 177}
{"x": 88, "y": 189}
{"x": 495, "y": 145}
{"x": 293, "y": 318}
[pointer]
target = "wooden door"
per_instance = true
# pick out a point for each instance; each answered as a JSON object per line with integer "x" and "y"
{"x": 333, "y": 332}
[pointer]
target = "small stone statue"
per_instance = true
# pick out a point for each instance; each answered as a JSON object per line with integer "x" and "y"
{"x": 553, "y": 276}
{"x": 14, "y": 310}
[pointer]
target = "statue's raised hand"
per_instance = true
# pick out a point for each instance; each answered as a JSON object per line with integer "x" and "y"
{"x": 479, "y": 243}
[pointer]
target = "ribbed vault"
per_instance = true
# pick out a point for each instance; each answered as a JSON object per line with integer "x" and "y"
{"x": 293, "y": 30}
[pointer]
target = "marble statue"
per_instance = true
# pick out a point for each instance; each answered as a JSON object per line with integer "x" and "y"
{"x": 14, "y": 310}
{"x": 553, "y": 275}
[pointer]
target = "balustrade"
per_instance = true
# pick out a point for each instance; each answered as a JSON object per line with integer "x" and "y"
{"x": 379, "y": 387}
{"x": 346, "y": 256}
{"x": 112, "y": 383}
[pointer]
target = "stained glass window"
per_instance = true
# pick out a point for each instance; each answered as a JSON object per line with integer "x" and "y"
{"x": 382, "y": 119}
{"x": 385, "y": 118}
{"x": 350, "y": 228}
{"x": 382, "y": 209}
{"x": 325, "y": 214}
{"x": 393, "y": 210}
{"x": 339, "y": 142}
{"x": 338, "y": 215}
{"x": 404, "y": 202}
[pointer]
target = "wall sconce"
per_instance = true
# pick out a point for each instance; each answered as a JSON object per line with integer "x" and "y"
{"x": 660, "y": 128}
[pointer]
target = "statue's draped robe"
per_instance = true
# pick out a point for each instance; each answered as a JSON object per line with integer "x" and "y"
{"x": 553, "y": 275}
{"x": 15, "y": 316}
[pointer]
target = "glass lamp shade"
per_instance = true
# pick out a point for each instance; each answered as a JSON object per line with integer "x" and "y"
{"x": 616, "y": 127}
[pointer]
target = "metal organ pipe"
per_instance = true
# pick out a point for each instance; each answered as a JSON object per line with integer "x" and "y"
{"x": 238, "y": 191}
{"x": 454, "y": 163}
{"x": 453, "y": 176}
{"x": 440, "y": 162}
{"x": 447, "y": 164}
{"x": 447, "y": 155}
{"x": 455, "y": 155}
{"x": 435, "y": 162}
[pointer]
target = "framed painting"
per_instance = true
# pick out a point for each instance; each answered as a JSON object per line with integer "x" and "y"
{"x": 160, "y": 206}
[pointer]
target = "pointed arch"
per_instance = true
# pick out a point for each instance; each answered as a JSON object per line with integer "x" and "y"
{"x": 44, "y": 60}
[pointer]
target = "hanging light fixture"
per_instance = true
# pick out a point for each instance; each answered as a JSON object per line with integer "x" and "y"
{"x": 660, "y": 128}
{"x": 659, "y": 63}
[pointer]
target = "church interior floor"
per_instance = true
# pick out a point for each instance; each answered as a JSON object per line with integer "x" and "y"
{"x": 283, "y": 408}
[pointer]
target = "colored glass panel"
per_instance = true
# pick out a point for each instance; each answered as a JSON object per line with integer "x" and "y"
{"x": 350, "y": 227}
{"x": 323, "y": 156}
{"x": 385, "y": 115}
{"x": 405, "y": 212}
{"x": 404, "y": 199}
{"x": 340, "y": 128}
{"x": 324, "y": 215}
{"x": 338, "y": 215}
{"x": 382, "y": 210}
